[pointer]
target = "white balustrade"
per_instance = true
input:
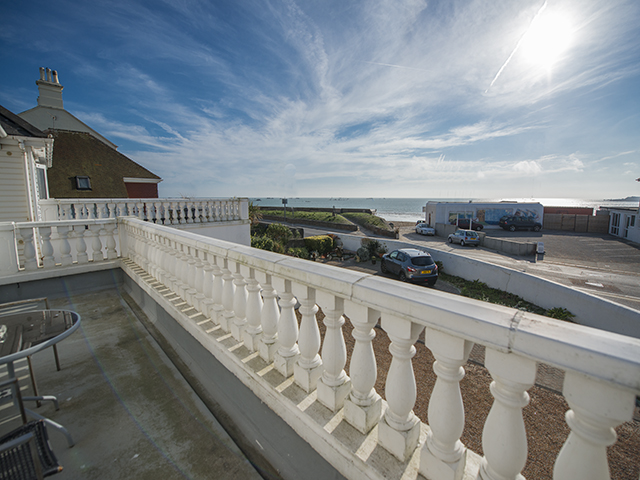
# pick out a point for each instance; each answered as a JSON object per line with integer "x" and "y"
{"x": 253, "y": 295}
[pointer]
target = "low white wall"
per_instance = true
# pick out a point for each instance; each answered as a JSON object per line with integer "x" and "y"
{"x": 588, "y": 309}
{"x": 235, "y": 231}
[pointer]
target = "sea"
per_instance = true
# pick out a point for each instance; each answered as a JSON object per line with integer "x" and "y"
{"x": 410, "y": 209}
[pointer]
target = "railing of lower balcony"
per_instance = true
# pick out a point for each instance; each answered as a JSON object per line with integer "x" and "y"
{"x": 251, "y": 295}
{"x": 164, "y": 211}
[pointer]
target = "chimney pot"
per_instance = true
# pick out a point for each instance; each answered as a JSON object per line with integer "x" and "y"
{"x": 42, "y": 73}
{"x": 48, "y": 75}
{"x": 55, "y": 76}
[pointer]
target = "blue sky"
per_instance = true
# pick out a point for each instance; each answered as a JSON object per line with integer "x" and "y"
{"x": 465, "y": 98}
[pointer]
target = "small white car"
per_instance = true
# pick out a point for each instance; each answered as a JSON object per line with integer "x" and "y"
{"x": 425, "y": 229}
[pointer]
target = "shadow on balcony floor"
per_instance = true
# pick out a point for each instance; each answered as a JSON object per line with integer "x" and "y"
{"x": 132, "y": 415}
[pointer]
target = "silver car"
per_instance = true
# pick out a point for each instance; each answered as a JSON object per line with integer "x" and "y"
{"x": 425, "y": 229}
{"x": 465, "y": 237}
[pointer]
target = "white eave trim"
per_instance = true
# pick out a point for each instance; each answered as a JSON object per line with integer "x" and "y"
{"x": 141, "y": 180}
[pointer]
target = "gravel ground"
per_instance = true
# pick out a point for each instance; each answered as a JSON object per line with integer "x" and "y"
{"x": 545, "y": 438}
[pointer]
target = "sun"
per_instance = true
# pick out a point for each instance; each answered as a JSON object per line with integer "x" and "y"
{"x": 548, "y": 37}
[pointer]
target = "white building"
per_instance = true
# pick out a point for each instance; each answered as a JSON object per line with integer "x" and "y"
{"x": 623, "y": 223}
{"x": 488, "y": 214}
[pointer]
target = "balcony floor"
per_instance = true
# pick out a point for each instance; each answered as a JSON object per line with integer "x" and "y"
{"x": 130, "y": 412}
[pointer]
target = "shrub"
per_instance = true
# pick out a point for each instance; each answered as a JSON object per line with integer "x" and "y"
{"x": 560, "y": 313}
{"x": 374, "y": 246}
{"x": 279, "y": 233}
{"x": 299, "y": 252}
{"x": 262, "y": 242}
{"x": 322, "y": 244}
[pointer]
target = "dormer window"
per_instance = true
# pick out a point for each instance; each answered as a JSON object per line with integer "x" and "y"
{"x": 83, "y": 183}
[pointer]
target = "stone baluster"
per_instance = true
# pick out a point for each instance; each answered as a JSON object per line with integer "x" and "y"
{"x": 65, "y": 248}
{"x": 78, "y": 213}
{"x": 192, "y": 273}
{"x": 30, "y": 260}
{"x": 102, "y": 210}
{"x": 207, "y": 285}
{"x": 239, "y": 303}
{"x": 236, "y": 209}
{"x": 96, "y": 244}
{"x": 183, "y": 269}
{"x": 176, "y": 271}
{"x": 443, "y": 454}
{"x": 199, "y": 285}
{"x": 226, "y": 319}
{"x": 141, "y": 212}
{"x": 308, "y": 368}
{"x": 81, "y": 246}
{"x": 216, "y": 310}
{"x": 206, "y": 211}
{"x": 253, "y": 328}
{"x": 113, "y": 209}
{"x": 215, "y": 211}
{"x": 363, "y": 406}
{"x": 111, "y": 228}
{"x": 399, "y": 428}
{"x": 163, "y": 253}
{"x": 199, "y": 213}
{"x": 153, "y": 247}
{"x": 166, "y": 276}
{"x": 334, "y": 385}
{"x": 504, "y": 439}
{"x": 65, "y": 210}
{"x": 158, "y": 210}
{"x": 268, "y": 341}
{"x": 288, "y": 351}
{"x": 171, "y": 216}
{"x": 596, "y": 409}
{"x": 47, "y": 249}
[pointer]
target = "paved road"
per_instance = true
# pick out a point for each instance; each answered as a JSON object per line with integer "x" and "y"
{"x": 599, "y": 264}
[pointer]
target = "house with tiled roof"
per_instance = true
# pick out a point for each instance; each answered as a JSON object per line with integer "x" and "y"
{"x": 25, "y": 155}
{"x": 85, "y": 163}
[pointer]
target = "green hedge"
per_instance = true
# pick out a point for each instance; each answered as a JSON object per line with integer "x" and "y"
{"x": 322, "y": 244}
{"x": 326, "y": 217}
{"x": 367, "y": 220}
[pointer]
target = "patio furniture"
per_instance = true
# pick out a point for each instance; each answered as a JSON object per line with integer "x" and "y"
{"x": 26, "y": 333}
{"x": 25, "y": 306}
{"x": 25, "y": 453}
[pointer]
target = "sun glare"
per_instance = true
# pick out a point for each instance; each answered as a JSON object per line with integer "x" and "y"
{"x": 547, "y": 38}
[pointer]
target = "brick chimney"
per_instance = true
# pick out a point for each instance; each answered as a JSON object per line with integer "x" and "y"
{"x": 49, "y": 88}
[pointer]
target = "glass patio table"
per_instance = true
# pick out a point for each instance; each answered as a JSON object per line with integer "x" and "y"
{"x": 25, "y": 333}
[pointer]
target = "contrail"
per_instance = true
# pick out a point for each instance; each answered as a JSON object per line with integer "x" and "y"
{"x": 396, "y": 66}
{"x": 504, "y": 65}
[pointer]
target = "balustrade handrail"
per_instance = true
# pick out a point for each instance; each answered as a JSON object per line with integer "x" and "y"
{"x": 604, "y": 355}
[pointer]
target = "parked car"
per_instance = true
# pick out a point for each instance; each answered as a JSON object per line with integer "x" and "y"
{"x": 516, "y": 222}
{"x": 465, "y": 237}
{"x": 464, "y": 224}
{"x": 425, "y": 229}
{"x": 411, "y": 264}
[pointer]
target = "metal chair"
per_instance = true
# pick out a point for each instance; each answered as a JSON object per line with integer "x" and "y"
{"x": 25, "y": 453}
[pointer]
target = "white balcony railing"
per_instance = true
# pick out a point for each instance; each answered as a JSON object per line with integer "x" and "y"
{"x": 163, "y": 211}
{"x": 247, "y": 297}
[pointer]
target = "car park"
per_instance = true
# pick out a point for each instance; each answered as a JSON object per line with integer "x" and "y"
{"x": 463, "y": 223}
{"x": 425, "y": 229}
{"x": 465, "y": 237}
{"x": 517, "y": 222}
{"x": 411, "y": 265}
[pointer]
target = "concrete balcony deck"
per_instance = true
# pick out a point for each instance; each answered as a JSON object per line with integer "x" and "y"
{"x": 130, "y": 412}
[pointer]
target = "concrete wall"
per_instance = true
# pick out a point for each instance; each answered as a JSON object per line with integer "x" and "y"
{"x": 589, "y": 310}
{"x": 509, "y": 246}
{"x": 236, "y": 231}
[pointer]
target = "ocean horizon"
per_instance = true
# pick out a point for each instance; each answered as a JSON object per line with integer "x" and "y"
{"x": 410, "y": 209}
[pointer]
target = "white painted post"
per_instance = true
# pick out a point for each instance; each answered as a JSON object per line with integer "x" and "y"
{"x": 504, "y": 439}
{"x": 308, "y": 368}
{"x": 217, "y": 309}
{"x": 65, "y": 247}
{"x": 288, "y": 351}
{"x": 96, "y": 244}
{"x": 81, "y": 246}
{"x": 443, "y": 454}
{"x": 363, "y": 406}
{"x": 596, "y": 409}
{"x": 399, "y": 429}
{"x": 334, "y": 385}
